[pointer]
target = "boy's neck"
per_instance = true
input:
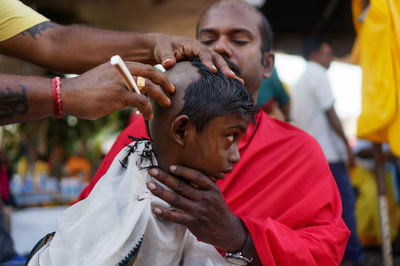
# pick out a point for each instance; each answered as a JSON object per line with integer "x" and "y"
{"x": 164, "y": 160}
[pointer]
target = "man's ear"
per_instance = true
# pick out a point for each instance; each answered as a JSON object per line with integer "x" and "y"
{"x": 179, "y": 129}
{"x": 268, "y": 63}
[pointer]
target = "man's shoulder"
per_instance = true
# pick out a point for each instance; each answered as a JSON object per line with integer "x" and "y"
{"x": 277, "y": 138}
{"x": 277, "y": 130}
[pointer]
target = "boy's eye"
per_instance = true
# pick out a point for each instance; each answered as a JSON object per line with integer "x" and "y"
{"x": 231, "y": 137}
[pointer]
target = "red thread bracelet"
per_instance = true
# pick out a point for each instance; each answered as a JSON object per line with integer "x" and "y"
{"x": 56, "y": 86}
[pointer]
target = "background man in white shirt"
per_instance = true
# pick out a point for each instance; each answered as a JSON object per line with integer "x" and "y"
{"x": 313, "y": 111}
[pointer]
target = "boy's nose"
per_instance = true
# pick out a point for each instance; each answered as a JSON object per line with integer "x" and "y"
{"x": 234, "y": 155}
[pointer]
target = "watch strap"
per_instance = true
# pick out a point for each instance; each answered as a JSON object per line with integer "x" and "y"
{"x": 245, "y": 255}
{"x": 248, "y": 247}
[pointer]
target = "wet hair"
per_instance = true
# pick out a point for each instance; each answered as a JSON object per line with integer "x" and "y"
{"x": 214, "y": 95}
{"x": 264, "y": 27}
{"x": 312, "y": 44}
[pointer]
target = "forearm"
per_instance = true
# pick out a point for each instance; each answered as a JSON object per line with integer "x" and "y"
{"x": 96, "y": 46}
{"x": 24, "y": 98}
{"x": 76, "y": 49}
{"x": 336, "y": 124}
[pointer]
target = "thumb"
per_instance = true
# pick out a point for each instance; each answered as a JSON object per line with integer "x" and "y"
{"x": 141, "y": 103}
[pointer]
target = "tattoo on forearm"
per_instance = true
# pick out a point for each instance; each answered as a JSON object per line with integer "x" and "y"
{"x": 38, "y": 29}
{"x": 12, "y": 102}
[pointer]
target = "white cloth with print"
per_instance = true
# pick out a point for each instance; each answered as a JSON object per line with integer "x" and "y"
{"x": 109, "y": 224}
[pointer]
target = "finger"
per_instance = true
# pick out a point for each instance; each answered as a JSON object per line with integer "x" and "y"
{"x": 172, "y": 215}
{"x": 206, "y": 58}
{"x": 172, "y": 198}
{"x": 166, "y": 54}
{"x": 155, "y": 92}
{"x": 178, "y": 185}
{"x": 192, "y": 176}
{"x": 152, "y": 74}
{"x": 140, "y": 102}
{"x": 222, "y": 65}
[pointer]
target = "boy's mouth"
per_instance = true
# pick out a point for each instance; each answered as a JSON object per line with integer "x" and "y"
{"x": 220, "y": 175}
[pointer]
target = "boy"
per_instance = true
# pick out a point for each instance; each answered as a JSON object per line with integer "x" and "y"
{"x": 115, "y": 226}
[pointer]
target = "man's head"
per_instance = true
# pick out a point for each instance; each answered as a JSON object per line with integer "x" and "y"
{"x": 318, "y": 50}
{"x": 239, "y": 32}
{"x": 202, "y": 127}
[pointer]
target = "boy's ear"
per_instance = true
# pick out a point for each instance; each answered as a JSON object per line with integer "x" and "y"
{"x": 268, "y": 63}
{"x": 179, "y": 129}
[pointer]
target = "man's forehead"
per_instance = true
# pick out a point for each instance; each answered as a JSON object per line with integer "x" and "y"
{"x": 232, "y": 17}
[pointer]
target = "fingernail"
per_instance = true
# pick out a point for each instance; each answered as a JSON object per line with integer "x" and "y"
{"x": 157, "y": 211}
{"x": 232, "y": 73}
{"x": 167, "y": 61}
{"x": 153, "y": 171}
{"x": 214, "y": 69}
{"x": 151, "y": 185}
{"x": 173, "y": 87}
{"x": 169, "y": 101}
{"x": 172, "y": 168}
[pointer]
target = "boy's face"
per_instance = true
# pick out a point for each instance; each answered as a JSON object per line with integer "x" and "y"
{"x": 215, "y": 150}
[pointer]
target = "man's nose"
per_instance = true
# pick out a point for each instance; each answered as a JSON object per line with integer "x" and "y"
{"x": 234, "y": 155}
{"x": 221, "y": 46}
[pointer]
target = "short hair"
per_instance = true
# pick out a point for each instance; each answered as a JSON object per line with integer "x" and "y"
{"x": 266, "y": 33}
{"x": 264, "y": 27}
{"x": 214, "y": 95}
{"x": 312, "y": 44}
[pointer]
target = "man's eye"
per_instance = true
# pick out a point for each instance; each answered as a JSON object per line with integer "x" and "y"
{"x": 240, "y": 42}
{"x": 207, "y": 42}
{"x": 231, "y": 138}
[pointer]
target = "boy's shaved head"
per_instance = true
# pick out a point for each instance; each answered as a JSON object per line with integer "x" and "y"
{"x": 203, "y": 95}
{"x": 200, "y": 97}
{"x": 181, "y": 75}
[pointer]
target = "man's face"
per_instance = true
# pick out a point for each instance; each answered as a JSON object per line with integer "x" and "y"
{"x": 325, "y": 55}
{"x": 215, "y": 150}
{"x": 234, "y": 33}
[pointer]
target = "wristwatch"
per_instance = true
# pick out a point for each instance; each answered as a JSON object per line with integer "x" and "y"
{"x": 245, "y": 255}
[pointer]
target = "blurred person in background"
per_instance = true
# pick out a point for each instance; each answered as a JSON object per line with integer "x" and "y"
{"x": 312, "y": 110}
{"x": 8, "y": 256}
{"x": 273, "y": 97}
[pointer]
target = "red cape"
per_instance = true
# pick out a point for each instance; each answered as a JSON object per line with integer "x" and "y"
{"x": 282, "y": 189}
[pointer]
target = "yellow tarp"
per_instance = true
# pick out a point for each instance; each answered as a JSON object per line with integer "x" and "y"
{"x": 379, "y": 55}
{"x": 367, "y": 210}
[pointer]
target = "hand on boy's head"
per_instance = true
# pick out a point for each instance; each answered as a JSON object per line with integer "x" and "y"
{"x": 171, "y": 49}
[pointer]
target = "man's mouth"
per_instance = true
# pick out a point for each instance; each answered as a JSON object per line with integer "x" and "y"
{"x": 235, "y": 68}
